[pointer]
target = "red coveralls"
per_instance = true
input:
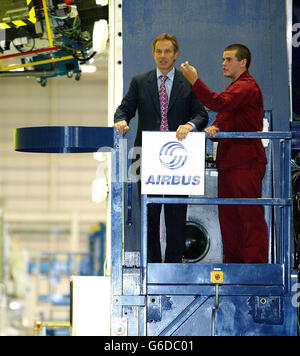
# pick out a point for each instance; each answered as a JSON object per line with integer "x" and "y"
{"x": 241, "y": 167}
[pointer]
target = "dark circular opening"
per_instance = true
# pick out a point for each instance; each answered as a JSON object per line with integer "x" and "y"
{"x": 197, "y": 243}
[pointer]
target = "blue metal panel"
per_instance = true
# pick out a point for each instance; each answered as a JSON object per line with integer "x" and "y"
{"x": 204, "y": 28}
{"x": 244, "y": 285}
{"x": 256, "y": 316}
{"x": 196, "y": 315}
{"x": 295, "y": 128}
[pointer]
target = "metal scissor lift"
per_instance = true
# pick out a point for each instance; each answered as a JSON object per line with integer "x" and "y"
{"x": 183, "y": 299}
{"x": 187, "y": 299}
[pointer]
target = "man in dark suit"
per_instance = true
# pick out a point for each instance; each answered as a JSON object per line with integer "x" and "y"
{"x": 164, "y": 102}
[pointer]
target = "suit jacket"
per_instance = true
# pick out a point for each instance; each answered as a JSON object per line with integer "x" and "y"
{"x": 143, "y": 96}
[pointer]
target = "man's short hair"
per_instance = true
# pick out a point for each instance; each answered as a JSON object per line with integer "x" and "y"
{"x": 242, "y": 52}
{"x": 166, "y": 36}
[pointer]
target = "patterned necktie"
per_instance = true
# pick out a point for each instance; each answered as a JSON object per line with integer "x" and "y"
{"x": 163, "y": 99}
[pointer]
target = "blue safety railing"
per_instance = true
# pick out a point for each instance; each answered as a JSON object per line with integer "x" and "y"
{"x": 273, "y": 279}
{"x": 264, "y": 279}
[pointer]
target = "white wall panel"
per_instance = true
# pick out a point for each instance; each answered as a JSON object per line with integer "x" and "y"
{"x": 49, "y": 183}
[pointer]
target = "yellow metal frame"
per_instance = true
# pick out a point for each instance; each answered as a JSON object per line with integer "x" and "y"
{"x": 50, "y": 39}
{"x": 21, "y": 23}
{"x": 47, "y": 23}
{"x": 32, "y": 64}
{"x": 39, "y": 325}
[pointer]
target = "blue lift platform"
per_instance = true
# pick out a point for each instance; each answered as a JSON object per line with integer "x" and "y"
{"x": 190, "y": 299}
{"x": 214, "y": 299}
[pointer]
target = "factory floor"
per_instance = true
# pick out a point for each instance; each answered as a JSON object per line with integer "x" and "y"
{"x": 18, "y": 313}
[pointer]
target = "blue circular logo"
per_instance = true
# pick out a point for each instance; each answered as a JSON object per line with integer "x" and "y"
{"x": 173, "y": 155}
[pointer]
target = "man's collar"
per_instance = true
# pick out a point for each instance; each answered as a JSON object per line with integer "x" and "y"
{"x": 245, "y": 73}
{"x": 170, "y": 75}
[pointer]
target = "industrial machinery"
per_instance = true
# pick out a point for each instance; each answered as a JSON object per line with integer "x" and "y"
{"x": 191, "y": 299}
{"x": 168, "y": 299}
{"x": 49, "y": 38}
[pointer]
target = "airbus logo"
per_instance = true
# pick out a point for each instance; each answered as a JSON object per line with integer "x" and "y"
{"x": 173, "y": 155}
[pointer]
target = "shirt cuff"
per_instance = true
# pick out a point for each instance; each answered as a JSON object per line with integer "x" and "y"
{"x": 194, "y": 126}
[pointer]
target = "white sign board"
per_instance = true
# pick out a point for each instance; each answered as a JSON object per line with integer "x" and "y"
{"x": 172, "y": 167}
{"x": 91, "y": 301}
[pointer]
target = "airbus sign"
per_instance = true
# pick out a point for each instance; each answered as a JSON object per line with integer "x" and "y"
{"x": 173, "y": 155}
{"x": 172, "y": 167}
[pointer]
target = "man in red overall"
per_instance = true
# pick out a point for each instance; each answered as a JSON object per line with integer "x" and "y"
{"x": 240, "y": 162}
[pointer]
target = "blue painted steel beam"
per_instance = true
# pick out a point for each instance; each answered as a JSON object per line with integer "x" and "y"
{"x": 197, "y": 273}
{"x": 218, "y": 201}
{"x": 183, "y": 316}
{"x": 63, "y": 139}
{"x": 262, "y": 135}
{"x": 130, "y": 300}
{"x": 209, "y": 290}
{"x": 117, "y": 229}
